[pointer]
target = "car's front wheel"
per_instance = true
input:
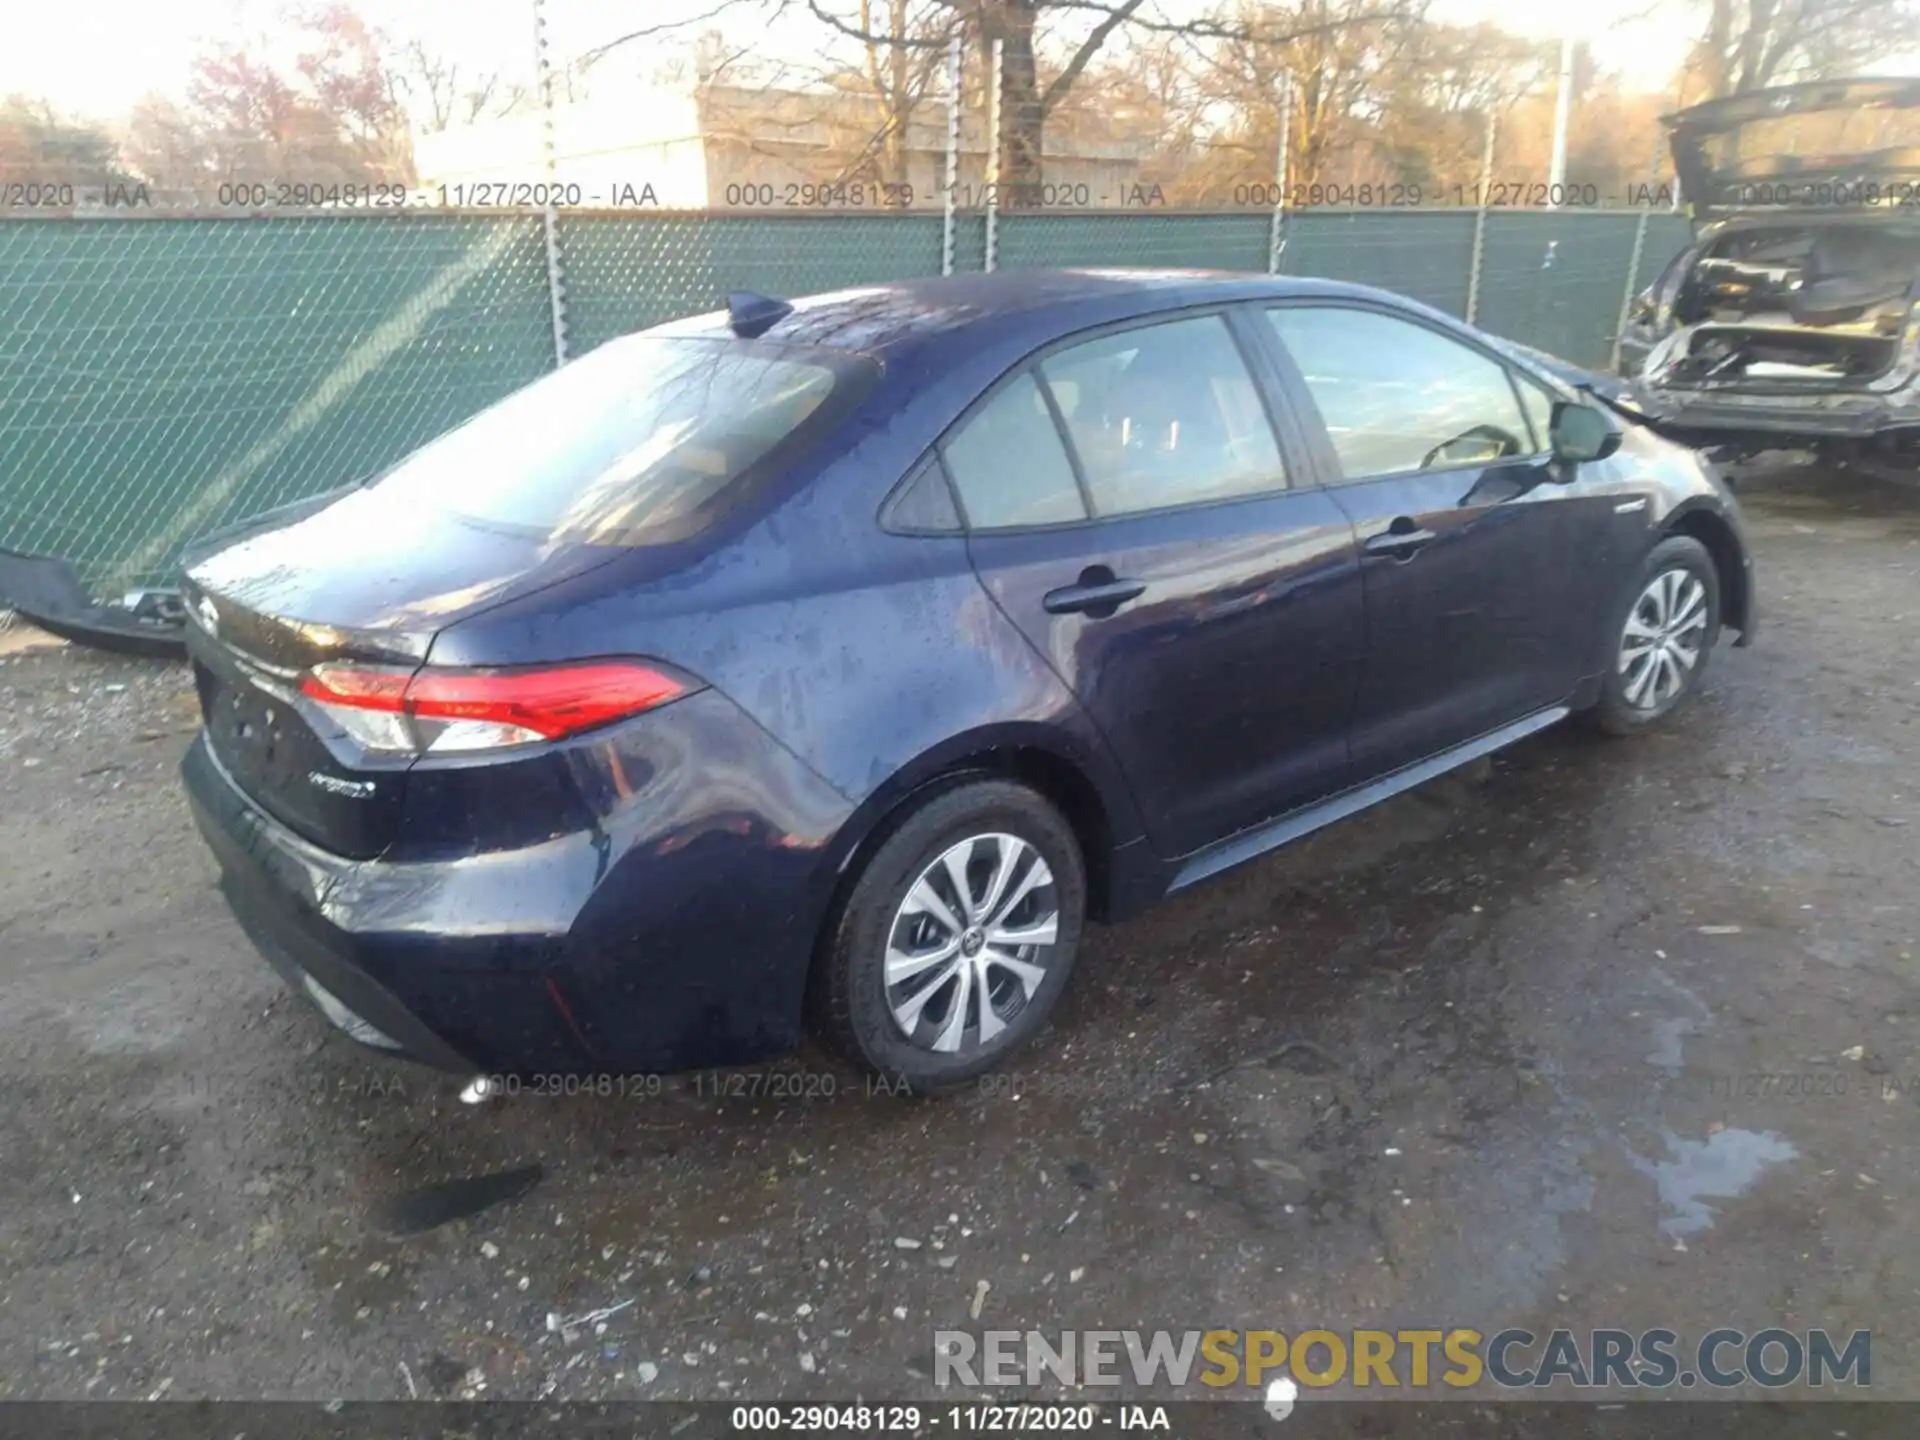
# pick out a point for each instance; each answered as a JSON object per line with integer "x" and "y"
{"x": 1661, "y": 644}
{"x": 958, "y": 936}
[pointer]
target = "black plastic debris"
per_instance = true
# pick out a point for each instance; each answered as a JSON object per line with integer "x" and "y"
{"x": 46, "y": 591}
{"x": 432, "y": 1206}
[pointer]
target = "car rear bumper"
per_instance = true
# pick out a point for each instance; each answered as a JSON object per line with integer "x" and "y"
{"x": 278, "y": 887}
{"x": 1727, "y": 419}
{"x": 1715, "y": 416}
{"x": 632, "y": 947}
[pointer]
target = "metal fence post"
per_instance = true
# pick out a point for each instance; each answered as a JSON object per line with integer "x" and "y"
{"x": 1277, "y": 227}
{"x": 1627, "y": 291}
{"x": 953, "y": 153}
{"x": 993, "y": 159}
{"x": 550, "y": 214}
{"x": 1659, "y": 144}
{"x": 1480, "y": 220}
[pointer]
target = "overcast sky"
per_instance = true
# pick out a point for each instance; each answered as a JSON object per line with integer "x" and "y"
{"x": 94, "y": 57}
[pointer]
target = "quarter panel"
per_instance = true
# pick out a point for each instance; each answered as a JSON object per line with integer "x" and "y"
{"x": 857, "y": 649}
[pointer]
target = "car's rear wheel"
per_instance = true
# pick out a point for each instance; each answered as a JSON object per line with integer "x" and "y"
{"x": 1661, "y": 644}
{"x": 957, "y": 938}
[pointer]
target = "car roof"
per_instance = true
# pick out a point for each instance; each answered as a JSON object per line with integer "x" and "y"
{"x": 980, "y": 311}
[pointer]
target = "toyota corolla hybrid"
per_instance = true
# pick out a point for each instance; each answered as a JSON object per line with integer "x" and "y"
{"x": 837, "y": 660}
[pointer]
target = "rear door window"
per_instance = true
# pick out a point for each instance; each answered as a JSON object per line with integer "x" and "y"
{"x": 1164, "y": 415}
{"x": 642, "y": 441}
{"x": 1008, "y": 464}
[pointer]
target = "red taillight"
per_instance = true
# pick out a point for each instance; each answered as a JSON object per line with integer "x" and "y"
{"x": 363, "y": 687}
{"x": 551, "y": 703}
{"x": 482, "y": 709}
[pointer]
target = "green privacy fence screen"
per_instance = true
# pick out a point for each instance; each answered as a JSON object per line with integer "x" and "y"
{"x": 161, "y": 376}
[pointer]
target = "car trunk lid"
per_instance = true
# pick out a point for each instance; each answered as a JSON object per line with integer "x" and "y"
{"x": 360, "y": 580}
{"x": 1839, "y": 144}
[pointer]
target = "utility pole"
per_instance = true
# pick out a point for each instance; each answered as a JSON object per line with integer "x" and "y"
{"x": 1562, "y": 113}
{"x": 1277, "y": 227}
{"x": 953, "y": 154}
{"x": 1480, "y": 219}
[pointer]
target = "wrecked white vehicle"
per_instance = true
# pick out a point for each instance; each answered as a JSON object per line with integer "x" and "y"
{"x": 1789, "y": 322}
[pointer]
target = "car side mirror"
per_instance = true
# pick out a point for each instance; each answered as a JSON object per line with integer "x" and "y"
{"x": 1581, "y": 432}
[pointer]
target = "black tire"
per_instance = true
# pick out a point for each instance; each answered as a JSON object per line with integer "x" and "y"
{"x": 1619, "y": 711}
{"x": 852, "y": 1009}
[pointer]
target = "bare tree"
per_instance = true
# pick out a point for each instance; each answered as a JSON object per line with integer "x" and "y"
{"x": 1752, "y": 44}
{"x": 898, "y": 75}
{"x": 1453, "y": 85}
{"x": 437, "y": 93}
{"x": 1028, "y": 31}
{"x": 1160, "y": 94}
{"x": 1332, "y": 57}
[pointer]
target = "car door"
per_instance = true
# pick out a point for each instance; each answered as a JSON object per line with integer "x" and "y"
{"x": 1470, "y": 538}
{"x": 1128, "y": 506}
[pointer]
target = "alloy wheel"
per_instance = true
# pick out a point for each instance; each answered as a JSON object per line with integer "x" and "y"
{"x": 1660, "y": 646}
{"x": 970, "y": 943}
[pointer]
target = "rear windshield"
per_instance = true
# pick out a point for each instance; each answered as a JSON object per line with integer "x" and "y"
{"x": 641, "y": 441}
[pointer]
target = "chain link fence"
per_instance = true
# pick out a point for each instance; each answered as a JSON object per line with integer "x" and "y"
{"x": 160, "y": 377}
{"x": 623, "y": 274}
{"x": 204, "y": 318}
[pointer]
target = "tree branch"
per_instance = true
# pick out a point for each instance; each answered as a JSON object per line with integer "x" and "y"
{"x": 869, "y": 37}
{"x": 1208, "y": 28}
{"x": 1082, "y": 57}
{"x": 647, "y": 32}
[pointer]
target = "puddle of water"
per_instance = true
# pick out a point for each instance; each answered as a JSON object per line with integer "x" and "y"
{"x": 1668, "y": 1035}
{"x": 1717, "y": 1168}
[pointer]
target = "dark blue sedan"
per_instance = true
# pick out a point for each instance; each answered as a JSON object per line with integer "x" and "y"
{"x": 837, "y": 660}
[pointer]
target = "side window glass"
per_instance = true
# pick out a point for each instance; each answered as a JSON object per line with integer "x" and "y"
{"x": 924, "y": 505}
{"x": 1397, "y": 396}
{"x": 1008, "y": 464}
{"x": 1539, "y": 407}
{"x": 1165, "y": 415}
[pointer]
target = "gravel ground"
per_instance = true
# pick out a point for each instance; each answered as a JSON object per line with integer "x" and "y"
{"x": 1616, "y": 1034}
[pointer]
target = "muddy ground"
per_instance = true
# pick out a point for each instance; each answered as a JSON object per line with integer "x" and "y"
{"x": 1618, "y": 1034}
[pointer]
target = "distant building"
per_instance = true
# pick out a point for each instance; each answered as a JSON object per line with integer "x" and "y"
{"x": 724, "y": 147}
